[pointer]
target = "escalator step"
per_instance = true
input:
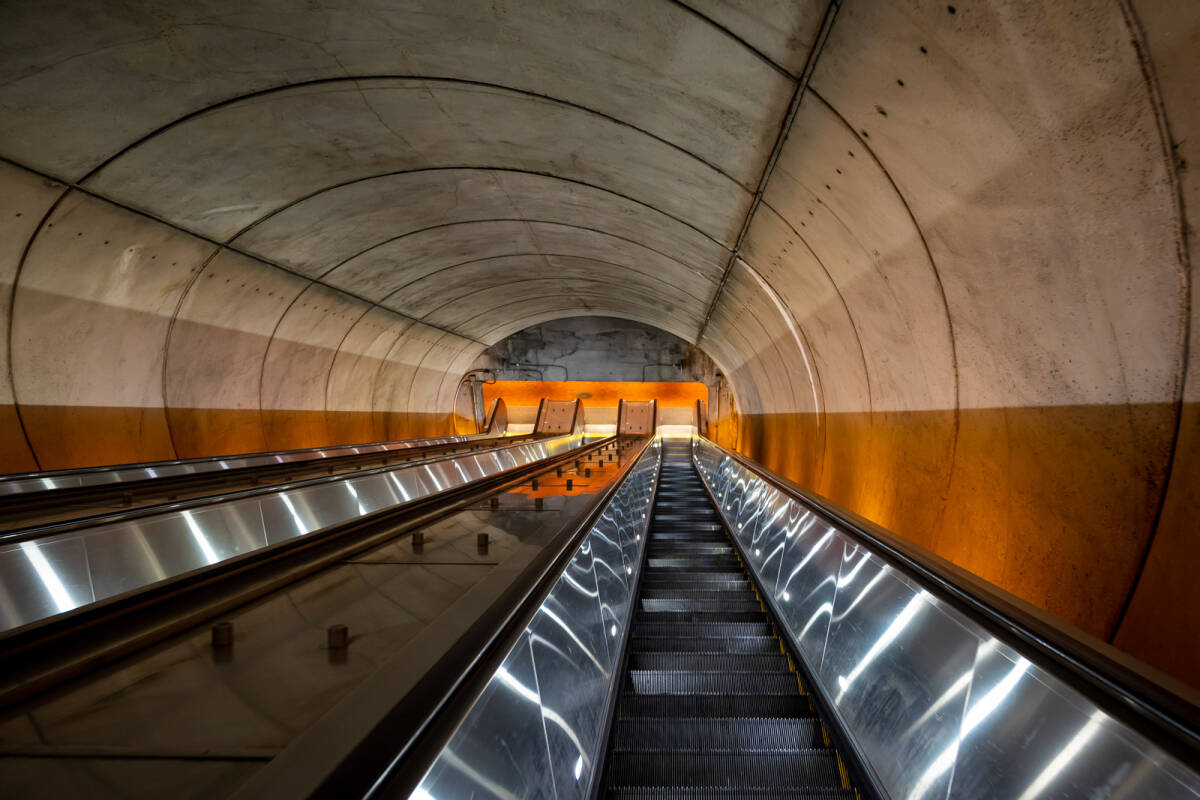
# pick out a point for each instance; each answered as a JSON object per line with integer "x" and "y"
{"x": 684, "y": 617}
{"x": 674, "y": 578}
{"x": 673, "y": 793}
{"x": 690, "y": 547}
{"x": 652, "y": 681}
{"x": 742, "y": 734}
{"x": 709, "y": 563}
{"x": 764, "y": 705}
{"x": 706, "y": 592}
{"x": 711, "y": 662}
{"x": 703, "y": 644}
{"x": 815, "y": 768}
{"x": 697, "y": 604}
{"x": 702, "y": 630}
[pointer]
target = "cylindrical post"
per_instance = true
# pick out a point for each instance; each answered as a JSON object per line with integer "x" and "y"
{"x": 337, "y": 637}
{"x": 222, "y": 634}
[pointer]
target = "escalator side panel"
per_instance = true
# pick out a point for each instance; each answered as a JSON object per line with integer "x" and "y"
{"x": 933, "y": 704}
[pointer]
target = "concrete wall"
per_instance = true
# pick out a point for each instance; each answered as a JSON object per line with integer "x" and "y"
{"x": 956, "y": 297}
{"x": 595, "y": 349}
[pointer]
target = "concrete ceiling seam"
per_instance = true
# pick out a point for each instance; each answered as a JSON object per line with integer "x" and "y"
{"x": 449, "y": 267}
{"x": 12, "y": 307}
{"x": 723, "y": 29}
{"x": 481, "y": 168}
{"x": 490, "y": 121}
{"x": 802, "y": 340}
{"x": 357, "y": 80}
{"x": 774, "y": 294}
{"x": 653, "y": 311}
{"x": 785, "y": 126}
{"x": 651, "y": 315}
{"x": 527, "y": 220}
{"x": 1137, "y": 38}
{"x": 179, "y": 303}
{"x": 598, "y": 280}
{"x": 266, "y": 354}
{"x": 937, "y": 276}
{"x": 337, "y": 352}
{"x": 222, "y": 245}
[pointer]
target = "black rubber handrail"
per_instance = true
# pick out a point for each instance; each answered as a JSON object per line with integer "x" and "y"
{"x": 404, "y": 745}
{"x": 54, "y": 473}
{"x": 1134, "y": 693}
{"x": 16, "y": 535}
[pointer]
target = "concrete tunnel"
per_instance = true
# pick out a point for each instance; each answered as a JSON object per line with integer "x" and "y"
{"x": 941, "y": 253}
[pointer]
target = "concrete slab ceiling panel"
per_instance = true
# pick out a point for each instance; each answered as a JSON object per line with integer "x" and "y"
{"x": 92, "y": 308}
{"x": 298, "y": 141}
{"x": 69, "y": 63}
{"x": 216, "y": 352}
{"x": 317, "y": 234}
{"x": 356, "y": 367}
{"x": 23, "y": 203}
{"x": 296, "y": 366}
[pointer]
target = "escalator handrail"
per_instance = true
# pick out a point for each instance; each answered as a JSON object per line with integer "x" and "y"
{"x": 135, "y": 465}
{"x": 1167, "y": 715}
{"x": 17, "y": 535}
{"x": 430, "y": 719}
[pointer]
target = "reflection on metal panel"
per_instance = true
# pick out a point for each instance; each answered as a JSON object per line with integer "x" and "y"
{"x": 34, "y": 482}
{"x": 537, "y": 728}
{"x": 938, "y": 707}
{"x": 58, "y": 573}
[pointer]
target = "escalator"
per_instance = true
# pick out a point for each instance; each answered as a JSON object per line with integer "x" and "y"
{"x": 711, "y": 704}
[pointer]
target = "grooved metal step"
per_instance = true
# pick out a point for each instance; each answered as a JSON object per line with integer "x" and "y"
{"x": 763, "y": 705}
{"x": 720, "y": 590}
{"x": 704, "y": 629}
{"x": 810, "y": 768}
{"x": 715, "y": 793}
{"x": 697, "y": 604}
{"x": 720, "y": 734}
{"x": 681, "y": 617}
{"x": 653, "y": 681}
{"x": 703, "y": 644}
{"x": 711, "y": 662}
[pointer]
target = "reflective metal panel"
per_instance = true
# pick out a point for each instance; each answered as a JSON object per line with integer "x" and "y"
{"x": 937, "y": 706}
{"x": 572, "y": 639}
{"x": 483, "y": 759}
{"x": 33, "y": 482}
{"x": 60, "y": 572}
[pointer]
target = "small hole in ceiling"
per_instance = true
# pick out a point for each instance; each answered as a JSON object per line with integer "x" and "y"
{"x": 881, "y": 111}
{"x": 923, "y": 50}
{"x": 899, "y": 81}
{"x": 838, "y": 171}
{"x": 866, "y": 135}
{"x": 952, "y": 9}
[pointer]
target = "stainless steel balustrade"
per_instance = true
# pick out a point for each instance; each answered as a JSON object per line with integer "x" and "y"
{"x": 25, "y": 484}
{"x": 538, "y": 726}
{"x": 57, "y": 573}
{"x": 936, "y": 705}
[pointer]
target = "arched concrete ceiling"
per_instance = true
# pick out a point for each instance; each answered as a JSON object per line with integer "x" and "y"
{"x": 934, "y": 247}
